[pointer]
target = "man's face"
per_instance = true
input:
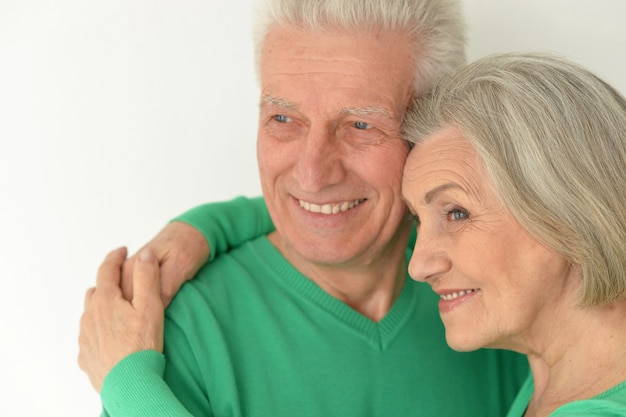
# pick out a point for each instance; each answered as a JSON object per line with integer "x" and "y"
{"x": 329, "y": 147}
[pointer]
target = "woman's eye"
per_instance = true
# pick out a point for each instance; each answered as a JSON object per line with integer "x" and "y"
{"x": 457, "y": 214}
{"x": 362, "y": 125}
{"x": 281, "y": 118}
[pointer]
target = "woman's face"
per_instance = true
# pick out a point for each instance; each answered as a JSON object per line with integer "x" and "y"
{"x": 499, "y": 287}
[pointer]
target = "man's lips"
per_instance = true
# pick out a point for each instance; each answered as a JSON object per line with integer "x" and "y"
{"x": 330, "y": 208}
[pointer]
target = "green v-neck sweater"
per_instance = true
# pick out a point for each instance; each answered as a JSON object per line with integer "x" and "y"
{"x": 251, "y": 336}
{"x": 610, "y": 403}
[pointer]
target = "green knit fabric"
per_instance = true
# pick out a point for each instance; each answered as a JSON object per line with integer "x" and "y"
{"x": 228, "y": 224}
{"x": 610, "y": 403}
{"x": 250, "y": 336}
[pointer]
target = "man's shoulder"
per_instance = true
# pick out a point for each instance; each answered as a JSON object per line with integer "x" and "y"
{"x": 251, "y": 252}
{"x": 246, "y": 268}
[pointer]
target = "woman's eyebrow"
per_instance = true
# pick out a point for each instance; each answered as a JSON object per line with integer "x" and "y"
{"x": 430, "y": 195}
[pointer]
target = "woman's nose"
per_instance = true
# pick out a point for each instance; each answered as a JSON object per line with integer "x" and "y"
{"x": 429, "y": 260}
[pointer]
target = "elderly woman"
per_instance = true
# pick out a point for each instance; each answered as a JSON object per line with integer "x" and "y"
{"x": 518, "y": 182}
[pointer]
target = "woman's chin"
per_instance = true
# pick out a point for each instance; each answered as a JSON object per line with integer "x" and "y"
{"x": 463, "y": 343}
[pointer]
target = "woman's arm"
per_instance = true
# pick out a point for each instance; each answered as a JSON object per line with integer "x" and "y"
{"x": 192, "y": 239}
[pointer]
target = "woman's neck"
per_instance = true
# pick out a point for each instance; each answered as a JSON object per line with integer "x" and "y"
{"x": 586, "y": 357}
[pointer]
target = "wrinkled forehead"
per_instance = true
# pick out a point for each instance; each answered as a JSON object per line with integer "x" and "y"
{"x": 386, "y": 52}
{"x": 445, "y": 157}
{"x": 345, "y": 63}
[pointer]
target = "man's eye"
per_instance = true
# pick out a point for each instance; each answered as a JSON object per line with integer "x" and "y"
{"x": 281, "y": 118}
{"x": 413, "y": 218}
{"x": 360, "y": 133}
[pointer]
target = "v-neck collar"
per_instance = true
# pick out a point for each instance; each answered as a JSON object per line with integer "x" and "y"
{"x": 379, "y": 333}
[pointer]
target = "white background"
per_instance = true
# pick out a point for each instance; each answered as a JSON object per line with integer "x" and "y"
{"x": 117, "y": 115}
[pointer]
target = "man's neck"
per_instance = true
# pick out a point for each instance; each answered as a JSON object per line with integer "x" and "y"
{"x": 369, "y": 286}
{"x": 371, "y": 294}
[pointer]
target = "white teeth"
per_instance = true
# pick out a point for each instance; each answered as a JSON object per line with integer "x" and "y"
{"x": 330, "y": 208}
{"x": 454, "y": 295}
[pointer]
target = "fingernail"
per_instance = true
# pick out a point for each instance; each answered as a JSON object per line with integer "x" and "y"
{"x": 146, "y": 256}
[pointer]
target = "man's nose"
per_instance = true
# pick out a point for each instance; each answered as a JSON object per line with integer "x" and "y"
{"x": 320, "y": 161}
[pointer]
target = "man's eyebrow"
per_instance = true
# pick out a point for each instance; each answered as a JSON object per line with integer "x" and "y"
{"x": 366, "y": 111}
{"x": 275, "y": 101}
{"x": 429, "y": 196}
{"x": 268, "y": 100}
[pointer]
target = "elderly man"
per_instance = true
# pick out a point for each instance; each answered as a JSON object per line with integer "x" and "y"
{"x": 318, "y": 317}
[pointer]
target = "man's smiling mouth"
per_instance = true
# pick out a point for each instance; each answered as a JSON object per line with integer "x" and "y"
{"x": 330, "y": 208}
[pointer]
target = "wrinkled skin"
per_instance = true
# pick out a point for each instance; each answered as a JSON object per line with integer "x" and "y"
{"x": 108, "y": 315}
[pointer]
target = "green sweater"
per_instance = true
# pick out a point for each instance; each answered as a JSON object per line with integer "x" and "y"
{"x": 250, "y": 336}
{"x": 610, "y": 403}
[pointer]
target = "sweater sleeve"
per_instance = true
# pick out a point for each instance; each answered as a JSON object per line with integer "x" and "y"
{"x": 135, "y": 388}
{"x": 226, "y": 225}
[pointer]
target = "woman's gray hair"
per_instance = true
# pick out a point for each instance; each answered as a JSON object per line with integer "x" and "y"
{"x": 437, "y": 27}
{"x": 552, "y": 137}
